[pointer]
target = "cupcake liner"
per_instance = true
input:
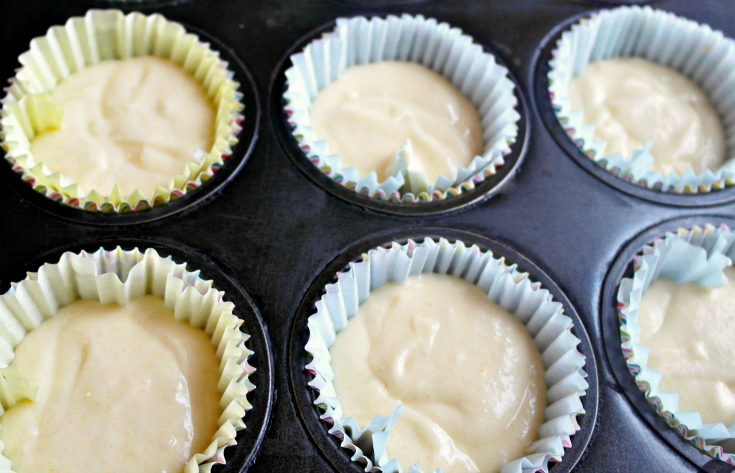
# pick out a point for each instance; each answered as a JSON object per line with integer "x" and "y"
{"x": 116, "y": 277}
{"x": 696, "y": 255}
{"x": 705, "y": 56}
{"x": 14, "y": 387}
{"x": 102, "y": 35}
{"x": 506, "y": 286}
{"x": 439, "y": 47}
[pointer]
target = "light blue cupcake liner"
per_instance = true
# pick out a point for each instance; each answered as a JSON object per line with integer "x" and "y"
{"x": 438, "y": 46}
{"x": 697, "y": 255}
{"x": 506, "y": 286}
{"x": 705, "y": 56}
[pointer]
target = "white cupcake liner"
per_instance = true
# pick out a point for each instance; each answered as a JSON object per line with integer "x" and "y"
{"x": 705, "y": 56}
{"x": 442, "y": 48}
{"x": 116, "y": 277}
{"x": 696, "y": 255}
{"x": 27, "y": 109}
{"x": 506, "y": 286}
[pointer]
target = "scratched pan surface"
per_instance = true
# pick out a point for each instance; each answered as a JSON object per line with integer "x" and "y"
{"x": 273, "y": 230}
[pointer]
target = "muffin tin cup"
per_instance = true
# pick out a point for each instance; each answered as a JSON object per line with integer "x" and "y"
{"x": 468, "y": 194}
{"x": 704, "y": 56}
{"x": 134, "y": 4}
{"x": 695, "y": 255}
{"x": 118, "y": 275}
{"x": 138, "y": 3}
{"x": 439, "y": 47}
{"x": 83, "y": 41}
{"x": 667, "y": 250}
{"x": 506, "y": 285}
{"x": 194, "y": 197}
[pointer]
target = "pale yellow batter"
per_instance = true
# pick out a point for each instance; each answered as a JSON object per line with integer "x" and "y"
{"x": 132, "y": 122}
{"x": 631, "y": 101}
{"x": 466, "y": 371}
{"x": 367, "y": 114}
{"x": 122, "y": 389}
{"x": 690, "y": 332}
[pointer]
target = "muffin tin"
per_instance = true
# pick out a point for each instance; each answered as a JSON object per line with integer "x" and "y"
{"x": 271, "y": 226}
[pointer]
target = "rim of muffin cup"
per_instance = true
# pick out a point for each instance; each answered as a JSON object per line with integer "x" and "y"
{"x": 116, "y": 276}
{"x": 428, "y": 42}
{"x": 686, "y": 46}
{"x": 113, "y": 35}
{"x": 696, "y": 253}
{"x": 137, "y": 3}
{"x": 507, "y": 286}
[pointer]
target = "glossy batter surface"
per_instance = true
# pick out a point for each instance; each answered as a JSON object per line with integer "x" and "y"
{"x": 689, "y": 331}
{"x": 632, "y": 100}
{"x": 466, "y": 371}
{"x": 368, "y": 113}
{"x": 133, "y": 122}
{"x": 122, "y": 389}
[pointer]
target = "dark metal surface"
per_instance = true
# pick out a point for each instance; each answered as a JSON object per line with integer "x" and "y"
{"x": 277, "y": 230}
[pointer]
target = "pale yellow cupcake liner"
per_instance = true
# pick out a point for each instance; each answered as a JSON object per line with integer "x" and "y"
{"x": 98, "y": 36}
{"x": 116, "y": 277}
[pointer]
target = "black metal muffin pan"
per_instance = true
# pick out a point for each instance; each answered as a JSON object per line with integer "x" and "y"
{"x": 271, "y": 232}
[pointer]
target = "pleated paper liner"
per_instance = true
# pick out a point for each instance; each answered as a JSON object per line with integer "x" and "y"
{"x": 438, "y": 46}
{"x": 697, "y": 255}
{"x": 102, "y": 35}
{"x": 116, "y": 277}
{"x": 701, "y": 54}
{"x": 505, "y": 285}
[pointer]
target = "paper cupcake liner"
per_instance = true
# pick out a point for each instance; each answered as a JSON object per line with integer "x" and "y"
{"x": 506, "y": 286}
{"x": 705, "y": 56}
{"x": 116, "y": 277}
{"x": 98, "y": 36}
{"x": 696, "y": 255}
{"x": 445, "y": 50}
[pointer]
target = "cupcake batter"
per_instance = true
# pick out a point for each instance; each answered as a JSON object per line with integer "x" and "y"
{"x": 121, "y": 389}
{"x": 133, "y": 122}
{"x": 690, "y": 332}
{"x": 466, "y": 371}
{"x": 632, "y": 100}
{"x": 367, "y": 114}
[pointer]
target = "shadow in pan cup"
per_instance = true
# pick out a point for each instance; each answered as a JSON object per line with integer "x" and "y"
{"x": 134, "y": 4}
